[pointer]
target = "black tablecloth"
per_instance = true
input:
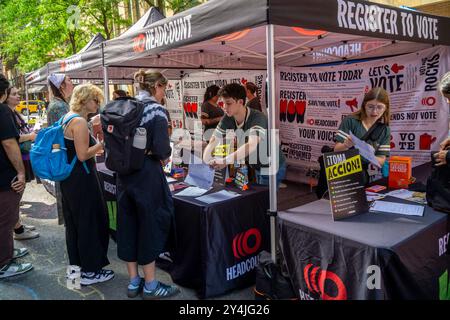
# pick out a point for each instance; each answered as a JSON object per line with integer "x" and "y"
{"x": 369, "y": 256}
{"x": 214, "y": 247}
{"x": 217, "y": 245}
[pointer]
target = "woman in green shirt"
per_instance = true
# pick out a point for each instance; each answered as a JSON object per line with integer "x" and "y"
{"x": 374, "y": 111}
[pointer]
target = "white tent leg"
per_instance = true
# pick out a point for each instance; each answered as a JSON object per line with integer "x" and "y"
{"x": 106, "y": 83}
{"x": 272, "y": 137}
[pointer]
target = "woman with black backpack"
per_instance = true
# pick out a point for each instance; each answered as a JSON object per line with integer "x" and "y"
{"x": 370, "y": 124}
{"x": 145, "y": 206}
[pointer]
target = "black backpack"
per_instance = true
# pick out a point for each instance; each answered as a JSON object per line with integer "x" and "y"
{"x": 119, "y": 119}
{"x": 271, "y": 283}
{"x": 438, "y": 187}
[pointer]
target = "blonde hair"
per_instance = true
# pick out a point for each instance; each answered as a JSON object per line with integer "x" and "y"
{"x": 444, "y": 85}
{"x": 82, "y": 94}
{"x": 149, "y": 80}
{"x": 380, "y": 95}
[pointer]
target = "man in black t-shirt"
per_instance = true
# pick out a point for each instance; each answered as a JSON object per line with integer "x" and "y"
{"x": 12, "y": 185}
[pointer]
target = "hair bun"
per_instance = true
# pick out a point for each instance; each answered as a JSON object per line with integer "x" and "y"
{"x": 140, "y": 76}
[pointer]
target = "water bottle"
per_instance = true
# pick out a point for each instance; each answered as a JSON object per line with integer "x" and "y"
{"x": 385, "y": 169}
{"x": 138, "y": 149}
{"x": 56, "y": 147}
{"x": 140, "y": 138}
{"x": 73, "y": 277}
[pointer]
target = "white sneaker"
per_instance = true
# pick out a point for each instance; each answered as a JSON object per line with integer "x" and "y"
{"x": 88, "y": 278}
{"x": 29, "y": 227}
{"x": 26, "y": 235}
{"x": 166, "y": 256}
{"x": 19, "y": 252}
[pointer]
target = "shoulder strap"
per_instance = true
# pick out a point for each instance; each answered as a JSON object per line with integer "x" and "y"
{"x": 372, "y": 129}
{"x": 68, "y": 119}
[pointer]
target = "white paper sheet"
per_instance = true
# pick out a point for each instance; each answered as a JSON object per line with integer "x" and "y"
{"x": 371, "y": 196}
{"x": 192, "y": 192}
{"x": 200, "y": 175}
{"x": 170, "y": 179}
{"x": 401, "y": 194}
{"x": 217, "y": 196}
{"x": 365, "y": 150}
{"x": 399, "y": 208}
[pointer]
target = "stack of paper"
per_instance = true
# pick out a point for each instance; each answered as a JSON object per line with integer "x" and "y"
{"x": 399, "y": 208}
{"x": 218, "y": 196}
{"x": 401, "y": 194}
{"x": 192, "y": 192}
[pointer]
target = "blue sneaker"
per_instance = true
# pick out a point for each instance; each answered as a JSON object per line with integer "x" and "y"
{"x": 133, "y": 291}
{"x": 160, "y": 292}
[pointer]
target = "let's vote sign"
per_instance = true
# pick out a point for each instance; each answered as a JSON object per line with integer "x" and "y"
{"x": 344, "y": 173}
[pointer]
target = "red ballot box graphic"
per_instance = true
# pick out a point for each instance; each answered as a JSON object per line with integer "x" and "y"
{"x": 426, "y": 141}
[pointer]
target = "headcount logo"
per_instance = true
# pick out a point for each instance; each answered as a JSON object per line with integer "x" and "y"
{"x": 244, "y": 244}
{"x": 71, "y": 64}
{"x": 174, "y": 31}
{"x": 326, "y": 284}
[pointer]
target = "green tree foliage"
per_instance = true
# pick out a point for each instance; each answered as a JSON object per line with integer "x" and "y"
{"x": 181, "y": 5}
{"x": 34, "y": 32}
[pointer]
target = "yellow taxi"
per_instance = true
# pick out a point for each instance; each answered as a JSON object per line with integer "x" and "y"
{"x": 33, "y": 106}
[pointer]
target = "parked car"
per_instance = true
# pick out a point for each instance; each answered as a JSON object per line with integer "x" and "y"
{"x": 33, "y": 106}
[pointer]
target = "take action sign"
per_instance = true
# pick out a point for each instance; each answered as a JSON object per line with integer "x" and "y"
{"x": 345, "y": 183}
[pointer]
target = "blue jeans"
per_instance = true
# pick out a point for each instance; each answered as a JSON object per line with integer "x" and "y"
{"x": 264, "y": 180}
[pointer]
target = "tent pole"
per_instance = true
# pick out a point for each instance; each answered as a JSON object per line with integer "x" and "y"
{"x": 272, "y": 138}
{"x": 26, "y": 98}
{"x": 106, "y": 83}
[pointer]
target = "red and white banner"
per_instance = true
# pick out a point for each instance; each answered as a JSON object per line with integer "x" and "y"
{"x": 174, "y": 103}
{"x": 312, "y": 102}
{"x": 195, "y": 85}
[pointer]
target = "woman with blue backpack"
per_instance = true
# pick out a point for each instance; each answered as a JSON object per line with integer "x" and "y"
{"x": 86, "y": 221}
{"x": 61, "y": 88}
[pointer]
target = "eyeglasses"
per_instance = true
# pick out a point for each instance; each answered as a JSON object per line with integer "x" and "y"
{"x": 373, "y": 107}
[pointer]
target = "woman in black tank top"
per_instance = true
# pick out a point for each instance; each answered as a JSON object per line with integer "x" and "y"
{"x": 84, "y": 210}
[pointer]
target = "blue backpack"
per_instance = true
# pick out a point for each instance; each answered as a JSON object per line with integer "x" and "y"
{"x": 52, "y": 165}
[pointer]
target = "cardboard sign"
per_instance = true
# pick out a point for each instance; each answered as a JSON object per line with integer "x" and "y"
{"x": 344, "y": 177}
{"x": 400, "y": 169}
{"x": 221, "y": 176}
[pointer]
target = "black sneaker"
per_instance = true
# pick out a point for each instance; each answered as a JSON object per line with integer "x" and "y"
{"x": 88, "y": 278}
{"x": 133, "y": 291}
{"x": 160, "y": 292}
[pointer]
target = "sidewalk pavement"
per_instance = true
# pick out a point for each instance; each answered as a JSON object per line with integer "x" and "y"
{"x": 49, "y": 258}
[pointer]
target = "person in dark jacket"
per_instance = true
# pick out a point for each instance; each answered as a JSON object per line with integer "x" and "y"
{"x": 145, "y": 205}
{"x": 252, "y": 95}
{"x": 211, "y": 112}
